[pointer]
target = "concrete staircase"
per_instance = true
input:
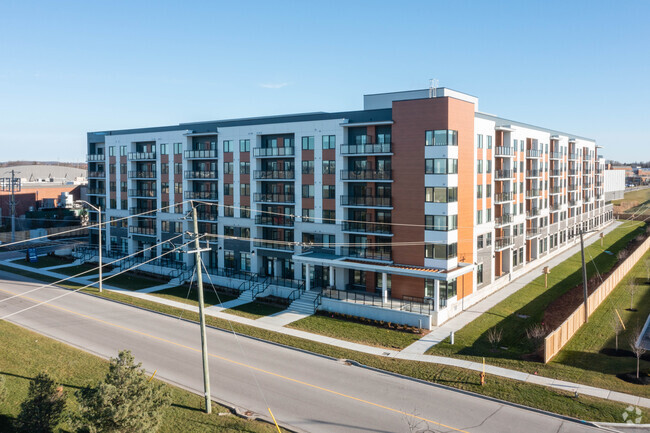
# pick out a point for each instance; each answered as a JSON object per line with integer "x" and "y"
{"x": 246, "y": 296}
{"x": 304, "y": 304}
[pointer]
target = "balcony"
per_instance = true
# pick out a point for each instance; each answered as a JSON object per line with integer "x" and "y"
{"x": 142, "y": 156}
{"x": 274, "y": 220}
{"x": 503, "y": 174}
{"x": 573, "y": 187}
{"x": 367, "y": 227}
{"x": 201, "y": 154}
{"x": 275, "y": 245}
{"x": 95, "y": 157}
{"x": 554, "y": 207}
{"x": 504, "y": 219}
{"x": 274, "y": 174}
{"x": 145, "y": 193}
{"x": 533, "y": 153}
{"x": 573, "y": 203}
{"x": 147, "y": 231}
{"x": 503, "y": 197}
{"x": 270, "y": 152}
{"x": 201, "y": 195}
{"x": 349, "y": 200}
{"x": 555, "y": 155}
{"x": 533, "y": 232}
{"x": 532, "y": 212}
{"x": 143, "y": 212}
{"x": 367, "y": 253}
{"x": 366, "y": 149}
{"x": 142, "y": 174}
{"x": 96, "y": 191}
{"x": 503, "y": 243}
{"x": 532, "y": 193}
{"x": 201, "y": 174}
{"x": 274, "y": 198}
{"x": 96, "y": 174}
{"x": 573, "y": 156}
{"x": 207, "y": 216}
{"x": 364, "y": 175}
{"x": 573, "y": 172}
{"x": 555, "y": 173}
{"x": 555, "y": 190}
{"x": 504, "y": 151}
{"x": 533, "y": 173}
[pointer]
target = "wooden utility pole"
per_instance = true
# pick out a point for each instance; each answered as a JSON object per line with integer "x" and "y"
{"x": 204, "y": 340}
{"x": 584, "y": 275}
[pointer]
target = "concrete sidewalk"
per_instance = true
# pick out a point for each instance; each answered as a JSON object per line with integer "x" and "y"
{"x": 456, "y": 323}
{"x": 269, "y": 325}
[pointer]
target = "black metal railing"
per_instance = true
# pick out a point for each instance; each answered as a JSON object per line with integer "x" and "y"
{"x": 357, "y": 149}
{"x": 274, "y": 174}
{"x": 201, "y": 154}
{"x": 273, "y": 198}
{"x": 273, "y": 151}
{"x": 365, "y": 174}
{"x": 201, "y": 174}
{"x": 274, "y": 220}
{"x": 350, "y": 200}
{"x": 367, "y": 227}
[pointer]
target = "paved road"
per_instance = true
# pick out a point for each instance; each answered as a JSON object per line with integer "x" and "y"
{"x": 305, "y": 391}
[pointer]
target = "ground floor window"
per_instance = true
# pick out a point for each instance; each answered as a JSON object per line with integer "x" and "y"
{"x": 479, "y": 274}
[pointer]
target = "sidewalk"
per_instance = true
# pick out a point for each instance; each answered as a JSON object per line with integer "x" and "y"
{"x": 456, "y": 323}
{"x": 216, "y": 311}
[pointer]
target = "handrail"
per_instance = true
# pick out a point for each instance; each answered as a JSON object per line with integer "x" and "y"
{"x": 317, "y": 301}
{"x": 295, "y": 295}
{"x": 261, "y": 287}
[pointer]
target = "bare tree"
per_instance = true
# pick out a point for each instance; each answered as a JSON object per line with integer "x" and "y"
{"x": 617, "y": 326}
{"x": 637, "y": 348}
{"x": 631, "y": 288}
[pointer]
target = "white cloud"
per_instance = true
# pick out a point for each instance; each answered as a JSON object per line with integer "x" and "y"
{"x": 273, "y": 85}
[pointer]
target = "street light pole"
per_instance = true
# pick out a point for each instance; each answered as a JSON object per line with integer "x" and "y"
{"x": 99, "y": 220}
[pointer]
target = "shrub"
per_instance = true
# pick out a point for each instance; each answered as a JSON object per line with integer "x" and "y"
{"x": 494, "y": 336}
{"x": 43, "y": 409}
{"x": 536, "y": 333}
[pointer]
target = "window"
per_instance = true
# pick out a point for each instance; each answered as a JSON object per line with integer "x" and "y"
{"x": 227, "y": 189}
{"x": 227, "y": 167}
{"x": 245, "y": 212}
{"x": 227, "y": 145}
{"x": 440, "y": 194}
{"x": 229, "y": 259}
{"x": 441, "y": 166}
{"x": 164, "y": 205}
{"x": 178, "y": 187}
{"x": 479, "y": 191}
{"x": 229, "y": 211}
{"x": 440, "y": 251}
{"x": 229, "y": 231}
{"x": 329, "y": 216}
{"x": 111, "y": 151}
{"x": 113, "y": 204}
{"x": 124, "y": 205}
{"x": 244, "y": 189}
{"x": 479, "y": 217}
{"x": 164, "y": 187}
{"x": 488, "y": 190}
{"x": 329, "y": 142}
{"x": 178, "y": 148}
{"x": 514, "y": 258}
{"x": 308, "y": 191}
{"x": 441, "y": 138}
{"x": 123, "y": 168}
{"x": 245, "y": 232}
{"x": 164, "y": 168}
{"x": 329, "y": 191}
{"x": 178, "y": 168}
{"x": 244, "y": 145}
{"x": 489, "y": 141}
{"x": 244, "y": 167}
{"x": 488, "y": 215}
{"x": 479, "y": 274}
{"x": 245, "y": 262}
{"x": 308, "y": 167}
{"x": 440, "y": 222}
{"x": 123, "y": 186}
{"x": 489, "y": 166}
{"x": 488, "y": 239}
{"x": 479, "y": 242}
{"x": 308, "y": 143}
{"x": 479, "y": 166}
{"x": 163, "y": 149}
{"x": 111, "y": 168}
{"x": 122, "y": 150}
{"x": 308, "y": 215}
{"x": 479, "y": 141}
{"x": 329, "y": 167}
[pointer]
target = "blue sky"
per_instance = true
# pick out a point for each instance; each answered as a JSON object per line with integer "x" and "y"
{"x": 72, "y": 67}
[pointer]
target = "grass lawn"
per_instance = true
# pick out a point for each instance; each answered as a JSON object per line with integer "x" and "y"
{"x": 75, "y": 270}
{"x": 130, "y": 281}
{"x": 254, "y": 310}
{"x": 179, "y": 294}
{"x": 44, "y": 262}
{"x": 355, "y": 332}
{"x": 641, "y": 196}
{"x": 74, "y": 368}
{"x": 471, "y": 341}
{"x": 584, "y": 407}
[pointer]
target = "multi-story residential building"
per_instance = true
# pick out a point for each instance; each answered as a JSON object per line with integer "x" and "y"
{"x": 418, "y": 200}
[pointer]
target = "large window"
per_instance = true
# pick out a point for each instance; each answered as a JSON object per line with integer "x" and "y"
{"x": 329, "y": 191}
{"x": 440, "y": 166}
{"x": 441, "y": 194}
{"x": 329, "y": 167}
{"x": 245, "y": 145}
{"x": 227, "y": 145}
{"x": 308, "y": 191}
{"x": 329, "y": 216}
{"x": 440, "y": 251}
{"x": 307, "y": 167}
{"x": 329, "y": 141}
{"x": 447, "y": 290}
{"x": 307, "y": 143}
{"x": 442, "y": 137}
{"x": 229, "y": 259}
{"x": 441, "y": 222}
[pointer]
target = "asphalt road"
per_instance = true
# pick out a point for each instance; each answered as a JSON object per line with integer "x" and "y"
{"x": 305, "y": 391}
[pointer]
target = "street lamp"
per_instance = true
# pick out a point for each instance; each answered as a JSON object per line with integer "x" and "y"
{"x": 99, "y": 220}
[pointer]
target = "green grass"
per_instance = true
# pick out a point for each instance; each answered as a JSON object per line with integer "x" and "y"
{"x": 74, "y": 368}
{"x": 129, "y": 281}
{"x": 254, "y": 310}
{"x": 75, "y": 270}
{"x": 588, "y": 408}
{"x": 180, "y": 294}
{"x": 355, "y": 332}
{"x": 44, "y": 262}
{"x": 471, "y": 341}
{"x": 641, "y": 196}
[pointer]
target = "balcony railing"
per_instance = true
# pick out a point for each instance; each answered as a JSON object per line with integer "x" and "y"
{"x": 97, "y": 191}
{"x": 532, "y": 212}
{"x": 350, "y": 200}
{"x": 533, "y": 173}
{"x": 532, "y": 193}
{"x": 273, "y": 151}
{"x": 532, "y": 232}
{"x": 274, "y": 245}
{"x": 555, "y": 155}
{"x": 502, "y": 243}
{"x": 367, "y": 227}
{"x": 201, "y": 174}
{"x": 142, "y": 193}
{"x": 360, "y": 149}
{"x": 95, "y": 157}
{"x": 555, "y": 190}
{"x": 366, "y": 253}
{"x": 503, "y": 151}
{"x": 100, "y": 174}
{"x": 573, "y": 156}
{"x": 274, "y": 220}
{"x": 573, "y": 187}
{"x": 503, "y": 196}
{"x": 274, "y": 198}
{"x": 138, "y": 156}
{"x": 365, "y": 175}
{"x": 555, "y": 173}
{"x": 207, "y": 216}
{"x": 504, "y": 219}
{"x": 142, "y": 174}
{"x": 274, "y": 174}
{"x": 148, "y": 212}
{"x": 554, "y": 207}
{"x": 503, "y": 174}
{"x": 201, "y": 195}
{"x": 201, "y": 154}
{"x": 533, "y": 153}
{"x": 573, "y": 203}
{"x": 149, "y": 231}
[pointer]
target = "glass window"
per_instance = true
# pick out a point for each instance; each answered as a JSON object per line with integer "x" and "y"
{"x": 329, "y": 191}
{"x": 244, "y": 145}
{"x": 227, "y": 145}
{"x": 329, "y": 141}
{"x": 308, "y": 167}
{"x": 329, "y": 167}
{"x": 329, "y": 216}
{"x": 308, "y": 191}
{"x": 308, "y": 143}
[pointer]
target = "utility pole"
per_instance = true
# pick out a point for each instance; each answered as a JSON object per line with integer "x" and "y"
{"x": 13, "y": 208}
{"x": 204, "y": 340}
{"x": 584, "y": 275}
{"x": 101, "y": 262}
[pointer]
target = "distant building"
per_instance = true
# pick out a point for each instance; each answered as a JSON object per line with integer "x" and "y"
{"x": 614, "y": 185}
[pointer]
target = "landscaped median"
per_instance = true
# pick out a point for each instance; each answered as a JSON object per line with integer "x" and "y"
{"x": 584, "y": 407}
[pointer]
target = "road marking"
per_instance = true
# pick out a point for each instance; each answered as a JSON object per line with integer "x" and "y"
{"x": 241, "y": 364}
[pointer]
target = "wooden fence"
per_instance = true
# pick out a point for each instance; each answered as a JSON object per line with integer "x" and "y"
{"x": 554, "y": 342}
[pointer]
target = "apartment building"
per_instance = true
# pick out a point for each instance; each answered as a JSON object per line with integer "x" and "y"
{"x": 418, "y": 202}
